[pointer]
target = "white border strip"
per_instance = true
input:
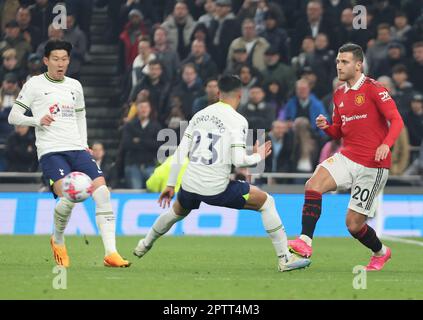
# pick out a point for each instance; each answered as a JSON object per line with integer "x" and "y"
{"x": 408, "y": 241}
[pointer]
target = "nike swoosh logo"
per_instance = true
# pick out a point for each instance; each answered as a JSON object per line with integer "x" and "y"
{"x": 47, "y": 93}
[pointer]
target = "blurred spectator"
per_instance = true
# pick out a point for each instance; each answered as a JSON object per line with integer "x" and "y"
{"x": 201, "y": 33}
{"x": 8, "y": 12}
{"x": 248, "y": 79}
{"x": 77, "y": 38}
{"x": 140, "y": 67}
{"x": 258, "y": 113}
{"x": 140, "y": 146}
{"x": 210, "y": 8}
{"x": 379, "y": 50}
{"x": 14, "y": 39}
{"x": 305, "y": 153}
{"x": 414, "y": 120}
{"x": 303, "y": 59}
{"x": 205, "y": 66}
{"x": 179, "y": 27}
{"x": 333, "y": 10}
{"x": 168, "y": 57}
{"x": 211, "y": 96}
{"x": 329, "y": 149}
{"x": 401, "y": 30}
{"x": 188, "y": 89}
{"x": 34, "y": 66}
{"x": 275, "y": 95}
{"x": 282, "y": 146}
{"x": 21, "y": 153}
{"x": 101, "y": 159}
{"x": 82, "y": 11}
{"x": 328, "y": 99}
{"x": 278, "y": 71}
{"x": 31, "y": 33}
{"x": 400, "y": 154}
{"x": 9, "y": 65}
{"x": 275, "y": 35}
{"x": 403, "y": 89}
{"x": 345, "y": 32}
{"x": 53, "y": 34}
{"x": 304, "y": 104}
{"x": 322, "y": 64}
{"x": 312, "y": 25}
{"x": 256, "y": 46}
{"x": 415, "y": 68}
{"x": 224, "y": 28}
{"x": 157, "y": 87}
{"x": 144, "y": 6}
{"x": 239, "y": 58}
{"x": 8, "y": 93}
{"x": 42, "y": 16}
{"x": 396, "y": 55}
{"x": 416, "y": 34}
{"x": 131, "y": 35}
{"x": 176, "y": 116}
{"x": 383, "y": 12}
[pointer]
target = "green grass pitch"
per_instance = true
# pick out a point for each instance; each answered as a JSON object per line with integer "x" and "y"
{"x": 204, "y": 268}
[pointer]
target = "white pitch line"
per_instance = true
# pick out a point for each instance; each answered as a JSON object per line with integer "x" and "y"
{"x": 408, "y": 241}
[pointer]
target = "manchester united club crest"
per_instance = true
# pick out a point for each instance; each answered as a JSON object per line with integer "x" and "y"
{"x": 54, "y": 109}
{"x": 359, "y": 99}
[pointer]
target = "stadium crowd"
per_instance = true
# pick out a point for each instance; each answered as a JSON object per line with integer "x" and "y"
{"x": 172, "y": 53}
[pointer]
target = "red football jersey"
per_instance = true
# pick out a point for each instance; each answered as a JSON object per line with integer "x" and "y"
{"x": 360, "y": 116}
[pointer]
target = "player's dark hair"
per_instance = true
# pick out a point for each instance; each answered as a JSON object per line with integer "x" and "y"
{"x": 229, "y": 83}
{"x": 52, "y": 45}
{"x": 355, "y": 49}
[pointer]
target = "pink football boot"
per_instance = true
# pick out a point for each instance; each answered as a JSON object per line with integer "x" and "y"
{"x": 377, "y": 263}
{"x": 299, "y": 247}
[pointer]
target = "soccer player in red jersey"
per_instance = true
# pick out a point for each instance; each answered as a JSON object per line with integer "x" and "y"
{"x": 367, "y": 119}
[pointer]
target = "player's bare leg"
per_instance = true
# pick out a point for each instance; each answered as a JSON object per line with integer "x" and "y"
{"x": 321, "y": 182}
{"x": 62, "y": 213}
{"x": 264, "y": 203}
{"x": 105, "y": 220}
{"x": 162, "y": 225}
{"x": 360, "y": 230}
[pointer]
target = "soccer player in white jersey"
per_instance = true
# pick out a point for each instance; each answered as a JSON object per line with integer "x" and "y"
{"x": 215, "y": 140}
{"x": 58, "y": 109}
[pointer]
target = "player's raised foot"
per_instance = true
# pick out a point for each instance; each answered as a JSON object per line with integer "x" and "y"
{"x": 141, "y": 249}
{"x": 300, "y": 247}
{"x": 377, "y": 263}
{"x": 292, "y": 263}
{"x": 114, "y": 260}
{"x": 59, "y": 253}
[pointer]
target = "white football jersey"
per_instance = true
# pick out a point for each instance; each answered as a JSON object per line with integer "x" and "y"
{"x": 61, "y": 99}
{"x": 214, "y": 131}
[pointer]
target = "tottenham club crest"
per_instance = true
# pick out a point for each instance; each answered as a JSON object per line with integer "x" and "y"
{"x": 54, "y": 109}
{"x": 359, "y": 99}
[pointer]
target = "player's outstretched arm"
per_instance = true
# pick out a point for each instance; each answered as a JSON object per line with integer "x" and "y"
{"x": 82, "y": 126}
{"x": 166, "y": 196}
{"x": 17, "y": 117}
{"x": 240, "y": 158}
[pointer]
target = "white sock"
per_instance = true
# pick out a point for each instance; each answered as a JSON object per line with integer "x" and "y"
{"x": 62, "y": 213}
{"x": 105, "y": 219}
{"x": 162, "y": 225}
{"x": 306, "y": 239}
{"x": 381, "y": 252}
{"x": 273, "y": 225}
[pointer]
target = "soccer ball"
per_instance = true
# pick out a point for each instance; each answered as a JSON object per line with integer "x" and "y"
{"x": 77, "y": 186}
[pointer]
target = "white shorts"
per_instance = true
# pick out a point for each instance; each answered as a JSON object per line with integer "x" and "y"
{"x": 365, "y": 183}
